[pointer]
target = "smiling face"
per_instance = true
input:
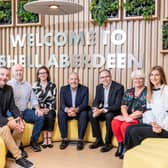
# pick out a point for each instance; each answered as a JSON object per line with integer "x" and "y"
{"x": 139, "y": 82}
{"x": 4, "y": 76}
{"x": 105, "y": 78}
{"x": 155, "y": 78}
{"x": 42, "y": 75}
{"x": 73, "y": 80}
{"x": 17, "y": 72}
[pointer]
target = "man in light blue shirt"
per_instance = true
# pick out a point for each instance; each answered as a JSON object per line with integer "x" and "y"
{"x": 23, "y": 95}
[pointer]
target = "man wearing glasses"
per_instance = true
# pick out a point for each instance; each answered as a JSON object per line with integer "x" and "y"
{"x": 106, "y": 106}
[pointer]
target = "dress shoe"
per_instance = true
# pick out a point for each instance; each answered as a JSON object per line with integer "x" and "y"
{"x": 106, "y": 148}
{"x": 44, "y": 145}
{"x": 50, "y": 145}
{"x": 24, "y": 163}
{"x": 96, "y": 145}
{"x": 35, "y": 146}
{"x": 119, "y": 149}
{"x": 80, "y": 145}
{"x": 64, "y": 144}
{"x": 123, "y": 153}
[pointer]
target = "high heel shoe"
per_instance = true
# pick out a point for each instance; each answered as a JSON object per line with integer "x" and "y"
{"x": 49, "y": 145}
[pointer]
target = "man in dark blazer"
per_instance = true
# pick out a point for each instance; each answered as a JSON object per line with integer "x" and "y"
{"x": 106, "y": 105}
{"x": 11, "y": 128}
{"x": 73, "y": 105}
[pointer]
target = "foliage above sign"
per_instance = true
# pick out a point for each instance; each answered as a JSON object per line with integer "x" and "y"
{"x": 25, "y": 16}
{"x": 145, "y": 8}
{"x": 5, "y": 12}
{"x": 101, "y": 10}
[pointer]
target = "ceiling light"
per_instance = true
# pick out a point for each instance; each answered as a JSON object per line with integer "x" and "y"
{"x": 53, "y": 7}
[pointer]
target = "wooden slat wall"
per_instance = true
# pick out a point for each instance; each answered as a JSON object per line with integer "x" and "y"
{"x": 143, "y": 41}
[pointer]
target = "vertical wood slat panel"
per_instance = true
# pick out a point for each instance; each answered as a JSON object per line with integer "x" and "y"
{"x": 143, "y": 41}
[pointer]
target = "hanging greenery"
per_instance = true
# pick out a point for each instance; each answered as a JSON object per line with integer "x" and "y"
{"x": 145, "y": 8}
{"x": 101, "y": 10}
{"x": 165, "y": 35}
{"x": 25, "y": 16}
{"x": 5, "y": 12}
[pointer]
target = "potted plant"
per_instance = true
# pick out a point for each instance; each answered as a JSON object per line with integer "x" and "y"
{"x": 164, "y": 42}
{"x": 6, "y": 13}
{"x": 103, "y": 10}
{"x": 24, "y": 17}
{"x": 142, "y": 9}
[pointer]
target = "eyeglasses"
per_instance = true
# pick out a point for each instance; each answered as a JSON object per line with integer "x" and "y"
{"x": 103, "y": 77}
{"x": 42, "y": 73}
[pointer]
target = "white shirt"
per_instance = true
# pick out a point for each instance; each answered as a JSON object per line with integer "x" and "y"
{"x": 158, "y": 108}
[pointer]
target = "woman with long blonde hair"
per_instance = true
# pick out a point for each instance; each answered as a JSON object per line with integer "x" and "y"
{"x": 155, "y": 118}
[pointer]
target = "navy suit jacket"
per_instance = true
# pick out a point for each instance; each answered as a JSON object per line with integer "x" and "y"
{"x": 81, "y": 98}
{"x": 114, "y": 98}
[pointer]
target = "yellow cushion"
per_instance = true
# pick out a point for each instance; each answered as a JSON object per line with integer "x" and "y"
{"x": 2, "y": 153}
{"x": 151, "y": 153}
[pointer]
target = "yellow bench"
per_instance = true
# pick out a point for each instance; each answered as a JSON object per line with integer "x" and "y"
{"x": 152, "y": 153}
{"x": 72, "y": 135}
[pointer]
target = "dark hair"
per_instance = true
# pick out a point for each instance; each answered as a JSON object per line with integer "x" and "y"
{"x": 150, "y": 85}
{"x": 105, "y": 70}
{"x": 47, "y": 71}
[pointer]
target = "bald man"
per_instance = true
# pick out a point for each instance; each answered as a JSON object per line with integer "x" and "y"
{"x": 23, "y": 95}
{"x": 73, "y": 105}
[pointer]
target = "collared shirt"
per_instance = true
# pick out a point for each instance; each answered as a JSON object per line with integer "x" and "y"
{"x": 23, "y": 94}
{"x": 106, "y": 95}
{"x": 73, "y": 93}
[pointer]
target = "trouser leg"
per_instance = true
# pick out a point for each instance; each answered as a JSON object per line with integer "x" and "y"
{"x": 82, "y": 124}
{"x": 10, "y": 143}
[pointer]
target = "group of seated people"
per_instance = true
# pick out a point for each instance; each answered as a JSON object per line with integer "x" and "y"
{"x": 132, "y": 116}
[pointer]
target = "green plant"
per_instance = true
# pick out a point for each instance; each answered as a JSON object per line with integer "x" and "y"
{"x": 25, "y": 16}
{"x": 101, "y": 10}
{"x": 165, "y": 35}
{"x": 145, "y": 8}
{"x": 5, "y": 12}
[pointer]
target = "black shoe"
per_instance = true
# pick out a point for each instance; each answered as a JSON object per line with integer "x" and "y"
{"x": 80, "y": 145}
{"x": 44, "y": 145}
{"x": 119, "y": 149}
{"x": 24, "y": 163}
{"x": 96, "y": 145}
{"x": 64, "y": 144}
{"x": 123, "y": 153}
{"x": 106, "y": 148}
{"x": 50, "y": 145}
{"x": 35, "y": 146}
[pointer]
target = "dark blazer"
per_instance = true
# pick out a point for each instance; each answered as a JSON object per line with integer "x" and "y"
{"x": 7, "y": 103}
{"x": 114, "y": 100}
{"x": 81, "y": 98}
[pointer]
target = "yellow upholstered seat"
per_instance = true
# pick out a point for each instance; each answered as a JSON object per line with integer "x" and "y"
{"x": 72, "y": 135}
{"x": 152, "y": 153}
{"x": 2, "y": 153}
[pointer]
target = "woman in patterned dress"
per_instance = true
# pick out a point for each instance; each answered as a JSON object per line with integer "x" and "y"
{"x": 132, "y": 108}
{"x": 45, "y": 91}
